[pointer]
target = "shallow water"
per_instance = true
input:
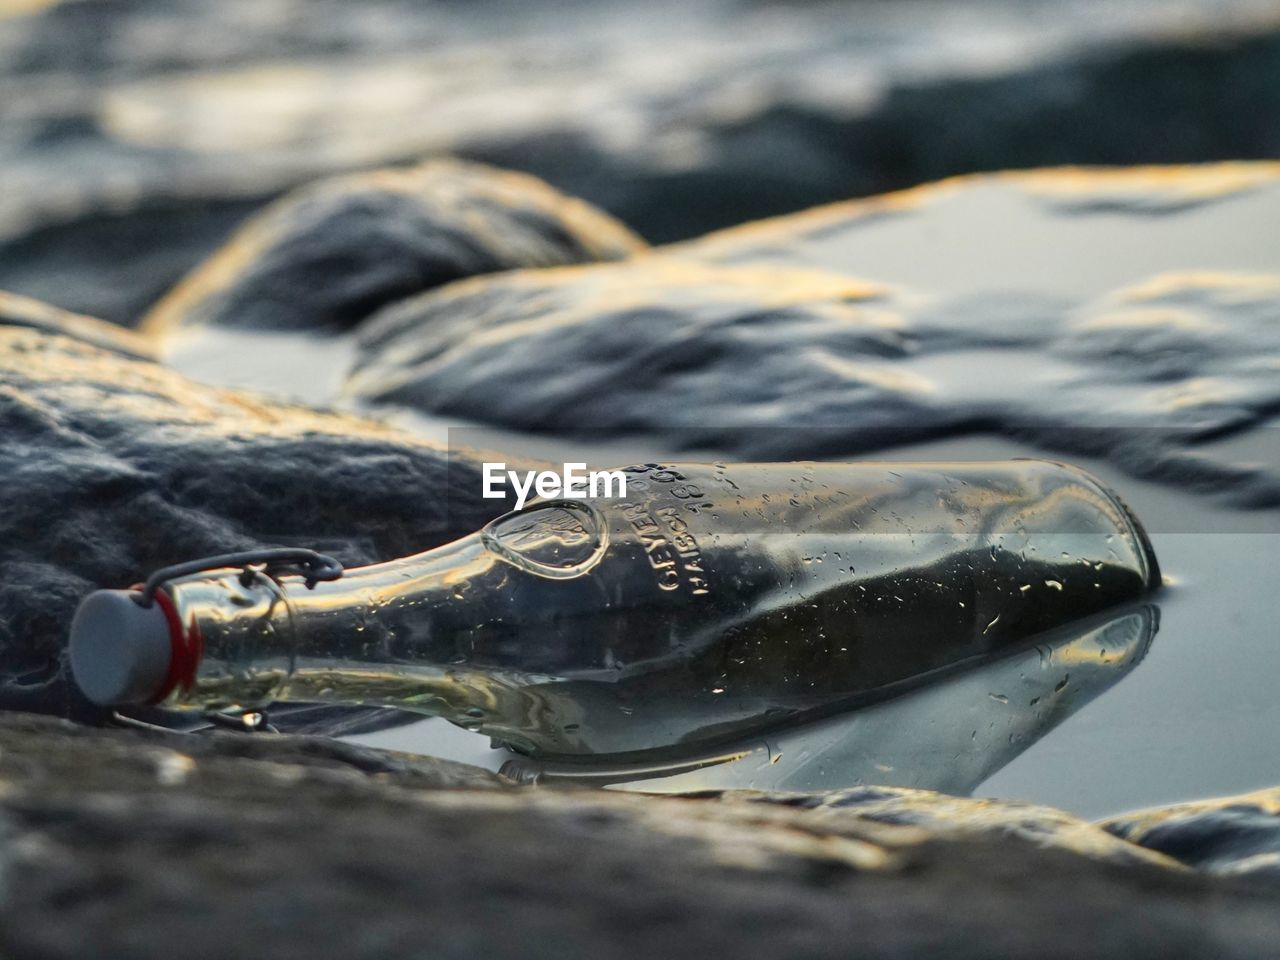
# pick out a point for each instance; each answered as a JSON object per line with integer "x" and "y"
{"x": 1054, "y": 234}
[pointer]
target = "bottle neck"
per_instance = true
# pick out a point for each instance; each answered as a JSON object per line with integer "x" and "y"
{"x": 380, "y": 634}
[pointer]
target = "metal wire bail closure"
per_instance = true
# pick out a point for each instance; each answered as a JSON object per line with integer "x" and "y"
{"x": 313, "y": 567}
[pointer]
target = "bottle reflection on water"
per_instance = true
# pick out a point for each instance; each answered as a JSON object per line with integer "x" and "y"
{"x": 948, "y": 736}
{"x": 710, "y": 602}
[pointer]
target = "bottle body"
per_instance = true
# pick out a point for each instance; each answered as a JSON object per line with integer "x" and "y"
{"x": 709, "y": 601}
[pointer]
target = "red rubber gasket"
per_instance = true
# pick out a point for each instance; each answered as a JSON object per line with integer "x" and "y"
{"x": 186, "y": 649}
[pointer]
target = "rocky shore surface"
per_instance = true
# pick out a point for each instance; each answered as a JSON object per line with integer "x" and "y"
{"x": 292, "y": 847}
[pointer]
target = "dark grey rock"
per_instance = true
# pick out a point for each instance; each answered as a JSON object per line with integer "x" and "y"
{"x": 19, "y": 311}
{"x": 141, "y": 748}
{"x": 940, "y": 815}
{"x": 1125, "y": 315}
{"x": 135, "y": 135}
{"x": 129, "y": 845}
{"x": 114, "y": 467}
{"x": 329, "y": 255}
{"x": 1228, "y": 836}
{"x": 650, "y": 347}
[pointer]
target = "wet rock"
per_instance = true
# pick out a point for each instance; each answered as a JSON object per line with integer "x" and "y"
{"x": 1127, "y": 315}
{"x": 334, "y": 252}
{"x": 649, "y": 346}
{"x": 1228, "y": 836}
{"x": 113, "y": 467}
{"x": 940, "y": 815}
{"x": 172, "y": 758}
{"x": 19, "y": 311}
{"x": 240, "y": 845}
{"x": 134, "y": 136}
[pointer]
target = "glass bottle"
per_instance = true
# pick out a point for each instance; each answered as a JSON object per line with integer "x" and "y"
{"x": 709, "y": 601}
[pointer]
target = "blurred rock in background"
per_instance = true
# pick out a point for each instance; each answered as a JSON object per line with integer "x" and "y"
{"x": 136, "y": 134}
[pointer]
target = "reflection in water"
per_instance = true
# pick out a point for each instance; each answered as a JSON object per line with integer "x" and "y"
{"x": 949, "y": 736}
